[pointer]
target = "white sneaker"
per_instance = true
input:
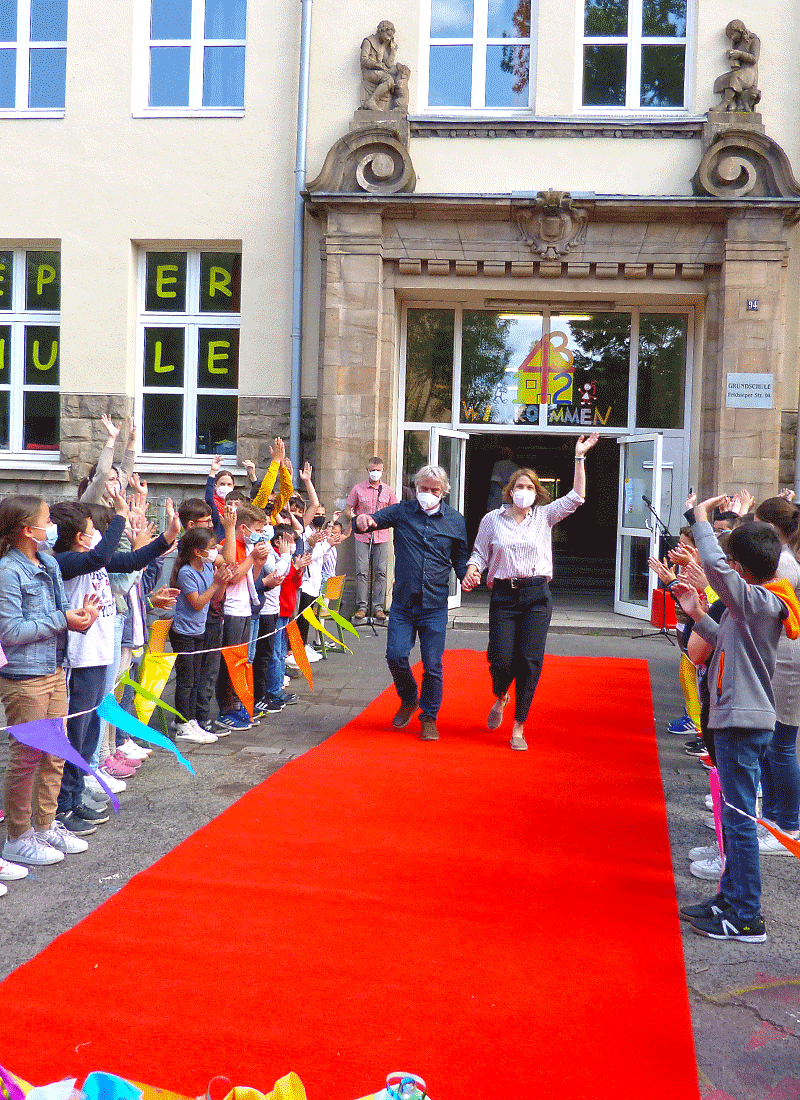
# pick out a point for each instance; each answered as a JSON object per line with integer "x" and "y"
{"x": 768, "y": 845}
{"x": 710, "y": 851}
{"x": 208, "y": 737}
{"x": 60, "y": 838}
{"x": 96, "y": 792}
{"x": 133, "y": 751}
{"x": 709, "y": 869}
{"x": 3, "y": 889}
{"x": 12, "y": 871}
{"x": 709, "y": 822}
{"x": 312, "y": 654}
{"x": 291, "y": 661}
{"x": 190, "y": 731}
{"x": 286, "y": 681}
{"x": 29, "y": 849}
{"x": 116, "y": 786}
{"x": 709, "y": 802}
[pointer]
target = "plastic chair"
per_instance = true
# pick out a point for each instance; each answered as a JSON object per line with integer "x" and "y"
{"x": 332, "y": 596}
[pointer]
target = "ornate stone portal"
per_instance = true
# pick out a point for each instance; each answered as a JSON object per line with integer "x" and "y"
{"x": 554, "y": 225}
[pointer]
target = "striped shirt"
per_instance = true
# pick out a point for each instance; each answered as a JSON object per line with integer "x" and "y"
{"x": 511, "y": 550}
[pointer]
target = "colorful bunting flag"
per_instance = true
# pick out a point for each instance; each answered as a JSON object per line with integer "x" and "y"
{"x": 125, "y": 679}
{"x": 343, "y": 623}
{"x": 299, "y": 651}
{"x": 114, "y": 714}
{"x": 159, "y": 632}
{"x": 48, "y": 735}
{"x": 312, "y": 618}
{"x": 154, "y": 672}
{"x": 241, "y": 673}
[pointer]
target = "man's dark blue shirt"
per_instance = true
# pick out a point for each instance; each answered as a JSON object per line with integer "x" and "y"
{"x": 426, "y": 548}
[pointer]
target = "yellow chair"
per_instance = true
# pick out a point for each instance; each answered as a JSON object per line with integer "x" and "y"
{"x": 332, "y": 597}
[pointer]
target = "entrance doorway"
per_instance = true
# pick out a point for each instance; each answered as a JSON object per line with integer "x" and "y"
{"x": 584, "y": 544}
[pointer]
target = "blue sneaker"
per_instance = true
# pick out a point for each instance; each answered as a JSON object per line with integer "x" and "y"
{"x": 287, "y": 697}
{"x": 230, "y": 720}
{"x": 684, "y": 724}
{"x": 241, "y": 712}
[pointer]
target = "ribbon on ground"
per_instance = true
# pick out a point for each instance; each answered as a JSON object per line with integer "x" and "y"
{"x": 125, "y": 679}
{"x": 299, "y": 651}
{"x": 47, "y": 735}
{"x": 158, "y": 635}
{"x": 312, "y": 618}
{"x": 154, "y": 672}
{"x": 241, "y": 673}
{"x": 114, "y": 714}
{"x": 343, "y": 623}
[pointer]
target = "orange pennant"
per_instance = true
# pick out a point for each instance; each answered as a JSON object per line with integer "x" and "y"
{"x": 790, "y": 842}
{"x": 158, "y": 635}
{"x": 241, "y": 673}
{"x": 299, "y": 651}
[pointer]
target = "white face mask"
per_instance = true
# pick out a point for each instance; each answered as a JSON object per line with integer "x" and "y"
{"x": 46, "y": 544}
{"x": 269, "y": 531}
{"x": 211, "y": 555}
{"x": 374, "y": 475}
{"x": 428, "y": 502}
{"x": 223, "y": 490}
{"x": 523, "y": 498}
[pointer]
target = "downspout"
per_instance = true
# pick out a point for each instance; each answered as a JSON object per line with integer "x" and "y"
{"x": 797, "y": 456}
{"x": 295, "y": 409}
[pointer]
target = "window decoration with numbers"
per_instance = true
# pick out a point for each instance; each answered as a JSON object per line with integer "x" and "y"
{"x": 197, "y": 54}
{"x": 33, "y": 55}
{"x": 30, "y": 298}
{"x": 189, "y": 348}
{"x": 481, "y": 55}
{"x": 634, "y": 55}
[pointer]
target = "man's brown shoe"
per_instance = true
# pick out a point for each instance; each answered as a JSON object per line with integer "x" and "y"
{"x": 429, "y": 730}
{"x": 404, "y": 715}
{"x": 380, "y": 615}
{"x": 360, "y": 614}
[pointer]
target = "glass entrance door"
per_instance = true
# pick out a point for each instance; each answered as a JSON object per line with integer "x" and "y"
{"x": 448, "y": 449}
{"x": 637, "y": 535}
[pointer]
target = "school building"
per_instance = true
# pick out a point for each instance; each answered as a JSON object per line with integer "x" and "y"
{"x": 566, "y": 229}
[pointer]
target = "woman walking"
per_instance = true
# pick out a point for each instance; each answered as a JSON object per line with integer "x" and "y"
{"x": 515, "y": 544}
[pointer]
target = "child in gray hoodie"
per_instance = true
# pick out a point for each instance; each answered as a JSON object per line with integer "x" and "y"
{"x": 742, "y": 711}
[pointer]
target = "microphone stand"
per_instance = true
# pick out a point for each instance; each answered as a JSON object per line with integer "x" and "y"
{"x": 665, "y": 538}
{"x": 370, "y": 619}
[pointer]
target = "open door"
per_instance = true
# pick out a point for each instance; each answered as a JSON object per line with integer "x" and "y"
{"x": 448, "y": 449}
{"x": 637, "y": 537}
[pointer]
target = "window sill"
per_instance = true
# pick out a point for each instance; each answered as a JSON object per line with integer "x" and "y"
{"x": 177, "y": 464}
{"x": 527, "y": 126}
{"x": 49, "y": 112}
{"x": 187, "y": 112}
{"x": 31, "y": 466}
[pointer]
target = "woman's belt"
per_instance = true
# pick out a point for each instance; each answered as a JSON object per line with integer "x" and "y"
{"x": 518, "y": 582}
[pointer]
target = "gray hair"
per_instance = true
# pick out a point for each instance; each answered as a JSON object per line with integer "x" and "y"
{"x": 435, "y": 473}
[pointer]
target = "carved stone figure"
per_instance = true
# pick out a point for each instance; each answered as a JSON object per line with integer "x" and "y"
{"x": 384, "y": 82}
{"x": 739, "y": 87}
{"x": 554, "y": 225}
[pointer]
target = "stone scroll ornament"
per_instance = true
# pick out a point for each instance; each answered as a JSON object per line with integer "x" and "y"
{"x": 741, "y": 162}
{"x": 370, "y": 160}
{"x": 553, "y": 226}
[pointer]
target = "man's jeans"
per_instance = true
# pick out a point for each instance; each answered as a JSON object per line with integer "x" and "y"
{"x": 405, "y": 623}
{"x": 739, "y": 754}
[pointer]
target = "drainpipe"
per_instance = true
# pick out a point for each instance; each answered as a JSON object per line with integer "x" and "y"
{"x": 797, "y": 457}
{"x": 295, "y": 413}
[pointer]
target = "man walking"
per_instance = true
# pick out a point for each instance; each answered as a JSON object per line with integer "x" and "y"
{"x": 430, "y": 539}
{"x": 372, "y": 550}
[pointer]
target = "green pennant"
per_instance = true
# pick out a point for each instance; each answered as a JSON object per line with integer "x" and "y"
{"x": 149, "y": 695}
{"x": 340, "y": 619}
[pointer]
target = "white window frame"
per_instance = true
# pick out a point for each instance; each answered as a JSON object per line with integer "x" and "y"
{"x": 479, "y": 42}
{"x": 24, "y": 47}
{"x": 20, "y": 318}
{"x": 190, "y": 320}
{"x": 633, "y": 73}
{"x": 196, "y": 44}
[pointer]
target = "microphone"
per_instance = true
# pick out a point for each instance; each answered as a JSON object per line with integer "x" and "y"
{"x": 647, "y": 500}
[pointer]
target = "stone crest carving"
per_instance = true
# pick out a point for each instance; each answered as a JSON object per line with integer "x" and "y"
{"x": 554, "y": 225}
{"x": 739, "y": 162}
{"x": 739, "y": 87}
{"x": 371, "y": 159}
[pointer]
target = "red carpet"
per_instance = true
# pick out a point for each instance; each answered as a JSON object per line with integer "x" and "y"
{"x": 502, "y": 923}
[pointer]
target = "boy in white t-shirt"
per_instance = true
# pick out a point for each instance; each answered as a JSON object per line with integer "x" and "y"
{"x": 245, "y": 546}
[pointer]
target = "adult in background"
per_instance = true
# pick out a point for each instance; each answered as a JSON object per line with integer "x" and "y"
{"x": 515, "y": 544}
{"x": 372, "y": 551}
{"x": 430, "y": 539}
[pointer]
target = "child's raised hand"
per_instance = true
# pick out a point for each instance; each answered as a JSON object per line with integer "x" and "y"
{"x": 662, "y": 570}
{"x": 692, "y": 573}
{"x": 277, "y": 449}
{"x": 164, "y": 597}
{"x": 306, "y": 472}
{"x": 120, "y": 504}
{"x": 787, "y": 494}
{"x": 173, "y": 522}
{"x": 251, "y": 469}
{"x": 687, "y": 597}
{"x": 229, "y": 516}
{"x": 334, "y": 538}
{"x": 303, "y": 561}
{"x": 216, "y": 463}
{"x": 109, "y": 427}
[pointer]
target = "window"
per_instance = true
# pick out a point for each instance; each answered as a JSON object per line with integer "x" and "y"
{"x": 33, "y": 55}
{"x": 480, "y": 54}
{"x": 30, "y": 294}
{"x": 634, "y": 54}
{"x": 190, "y": 352}
{"x": 196, "y": 54}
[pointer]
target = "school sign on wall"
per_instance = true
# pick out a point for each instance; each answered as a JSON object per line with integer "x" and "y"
{"x": 748, "y": 391}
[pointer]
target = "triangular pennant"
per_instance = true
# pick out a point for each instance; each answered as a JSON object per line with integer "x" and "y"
{"x": 343, "y": 623}
{"x": 312, "y": 618}
{"x": 792, "y": 843}
{"x": 154, "y": 672}
{"x": 158, "y": 635}
{"x": 241, "y": 673}
{"x": 148, "y": 695}
{"x": 114, "y": 714}
{"x": 299, "y": 651}
{"x": 48, "y": 735}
